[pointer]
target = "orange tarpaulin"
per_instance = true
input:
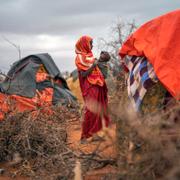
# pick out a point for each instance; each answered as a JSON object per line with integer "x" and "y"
{"x": 159, "y": 41}
{"x": 15, "y": 103}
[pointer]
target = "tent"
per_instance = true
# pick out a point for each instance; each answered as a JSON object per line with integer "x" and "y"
{"x": 34, "y": 81}
{"x": 73, "y": 83}
{"x": 159, "y": 41}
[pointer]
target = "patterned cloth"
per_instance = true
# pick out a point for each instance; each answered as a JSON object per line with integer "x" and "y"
{"x": 141, "y": 77}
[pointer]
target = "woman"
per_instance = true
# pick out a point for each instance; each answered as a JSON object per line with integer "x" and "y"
{"x": 93, "y": 88}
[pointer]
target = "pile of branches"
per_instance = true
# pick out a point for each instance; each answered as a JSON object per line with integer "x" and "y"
{"x": 149, "y": 146}
{"x": 41, "y": 142}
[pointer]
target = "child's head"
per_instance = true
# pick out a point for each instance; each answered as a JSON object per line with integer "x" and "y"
{"x": 104, "y": 56}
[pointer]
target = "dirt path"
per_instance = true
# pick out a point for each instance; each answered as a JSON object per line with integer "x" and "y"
{"x": 10, "y": 173}
{"x": 74, "y": 134}
{"x": 106, "y": 149}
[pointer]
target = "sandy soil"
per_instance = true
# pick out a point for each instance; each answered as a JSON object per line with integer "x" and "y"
{"x": 106, "y": 148}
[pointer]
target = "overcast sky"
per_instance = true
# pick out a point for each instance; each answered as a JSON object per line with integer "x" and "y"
{"x": 53, "y": 26}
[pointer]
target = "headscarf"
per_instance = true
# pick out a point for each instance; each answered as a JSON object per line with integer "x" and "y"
{"x": 85, "y": 59}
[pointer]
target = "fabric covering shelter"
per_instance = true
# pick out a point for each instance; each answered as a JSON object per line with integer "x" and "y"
{"x": 34, "y": 81}
{"x": 73, "y": 83}
{"x": 159, "y": 41}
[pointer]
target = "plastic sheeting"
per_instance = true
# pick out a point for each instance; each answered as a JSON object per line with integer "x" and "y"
{"x": 159, "y": 41}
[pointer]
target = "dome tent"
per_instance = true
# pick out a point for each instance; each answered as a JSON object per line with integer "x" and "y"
{"x": 35, "y": 76}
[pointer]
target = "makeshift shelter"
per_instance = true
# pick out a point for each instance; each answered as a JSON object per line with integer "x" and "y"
{"x": 158, "y": 40}
{"x": 73, "y": 83}
{"x": 34, "y": 81}
{"x": 152, "y": 52}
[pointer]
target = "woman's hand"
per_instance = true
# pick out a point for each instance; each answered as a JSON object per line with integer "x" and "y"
{"x": 87, "y": 72}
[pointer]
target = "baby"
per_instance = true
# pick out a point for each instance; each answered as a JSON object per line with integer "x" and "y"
{"x": 102, "y": 63}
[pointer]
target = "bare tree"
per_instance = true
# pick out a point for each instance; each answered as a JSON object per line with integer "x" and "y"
{"x": 118, "y": 33}
{"x": 14, "y": 45}
{"x": 2, "y": 76}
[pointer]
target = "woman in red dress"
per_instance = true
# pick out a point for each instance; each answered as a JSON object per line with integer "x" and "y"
{"x": 93, "y": 88}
